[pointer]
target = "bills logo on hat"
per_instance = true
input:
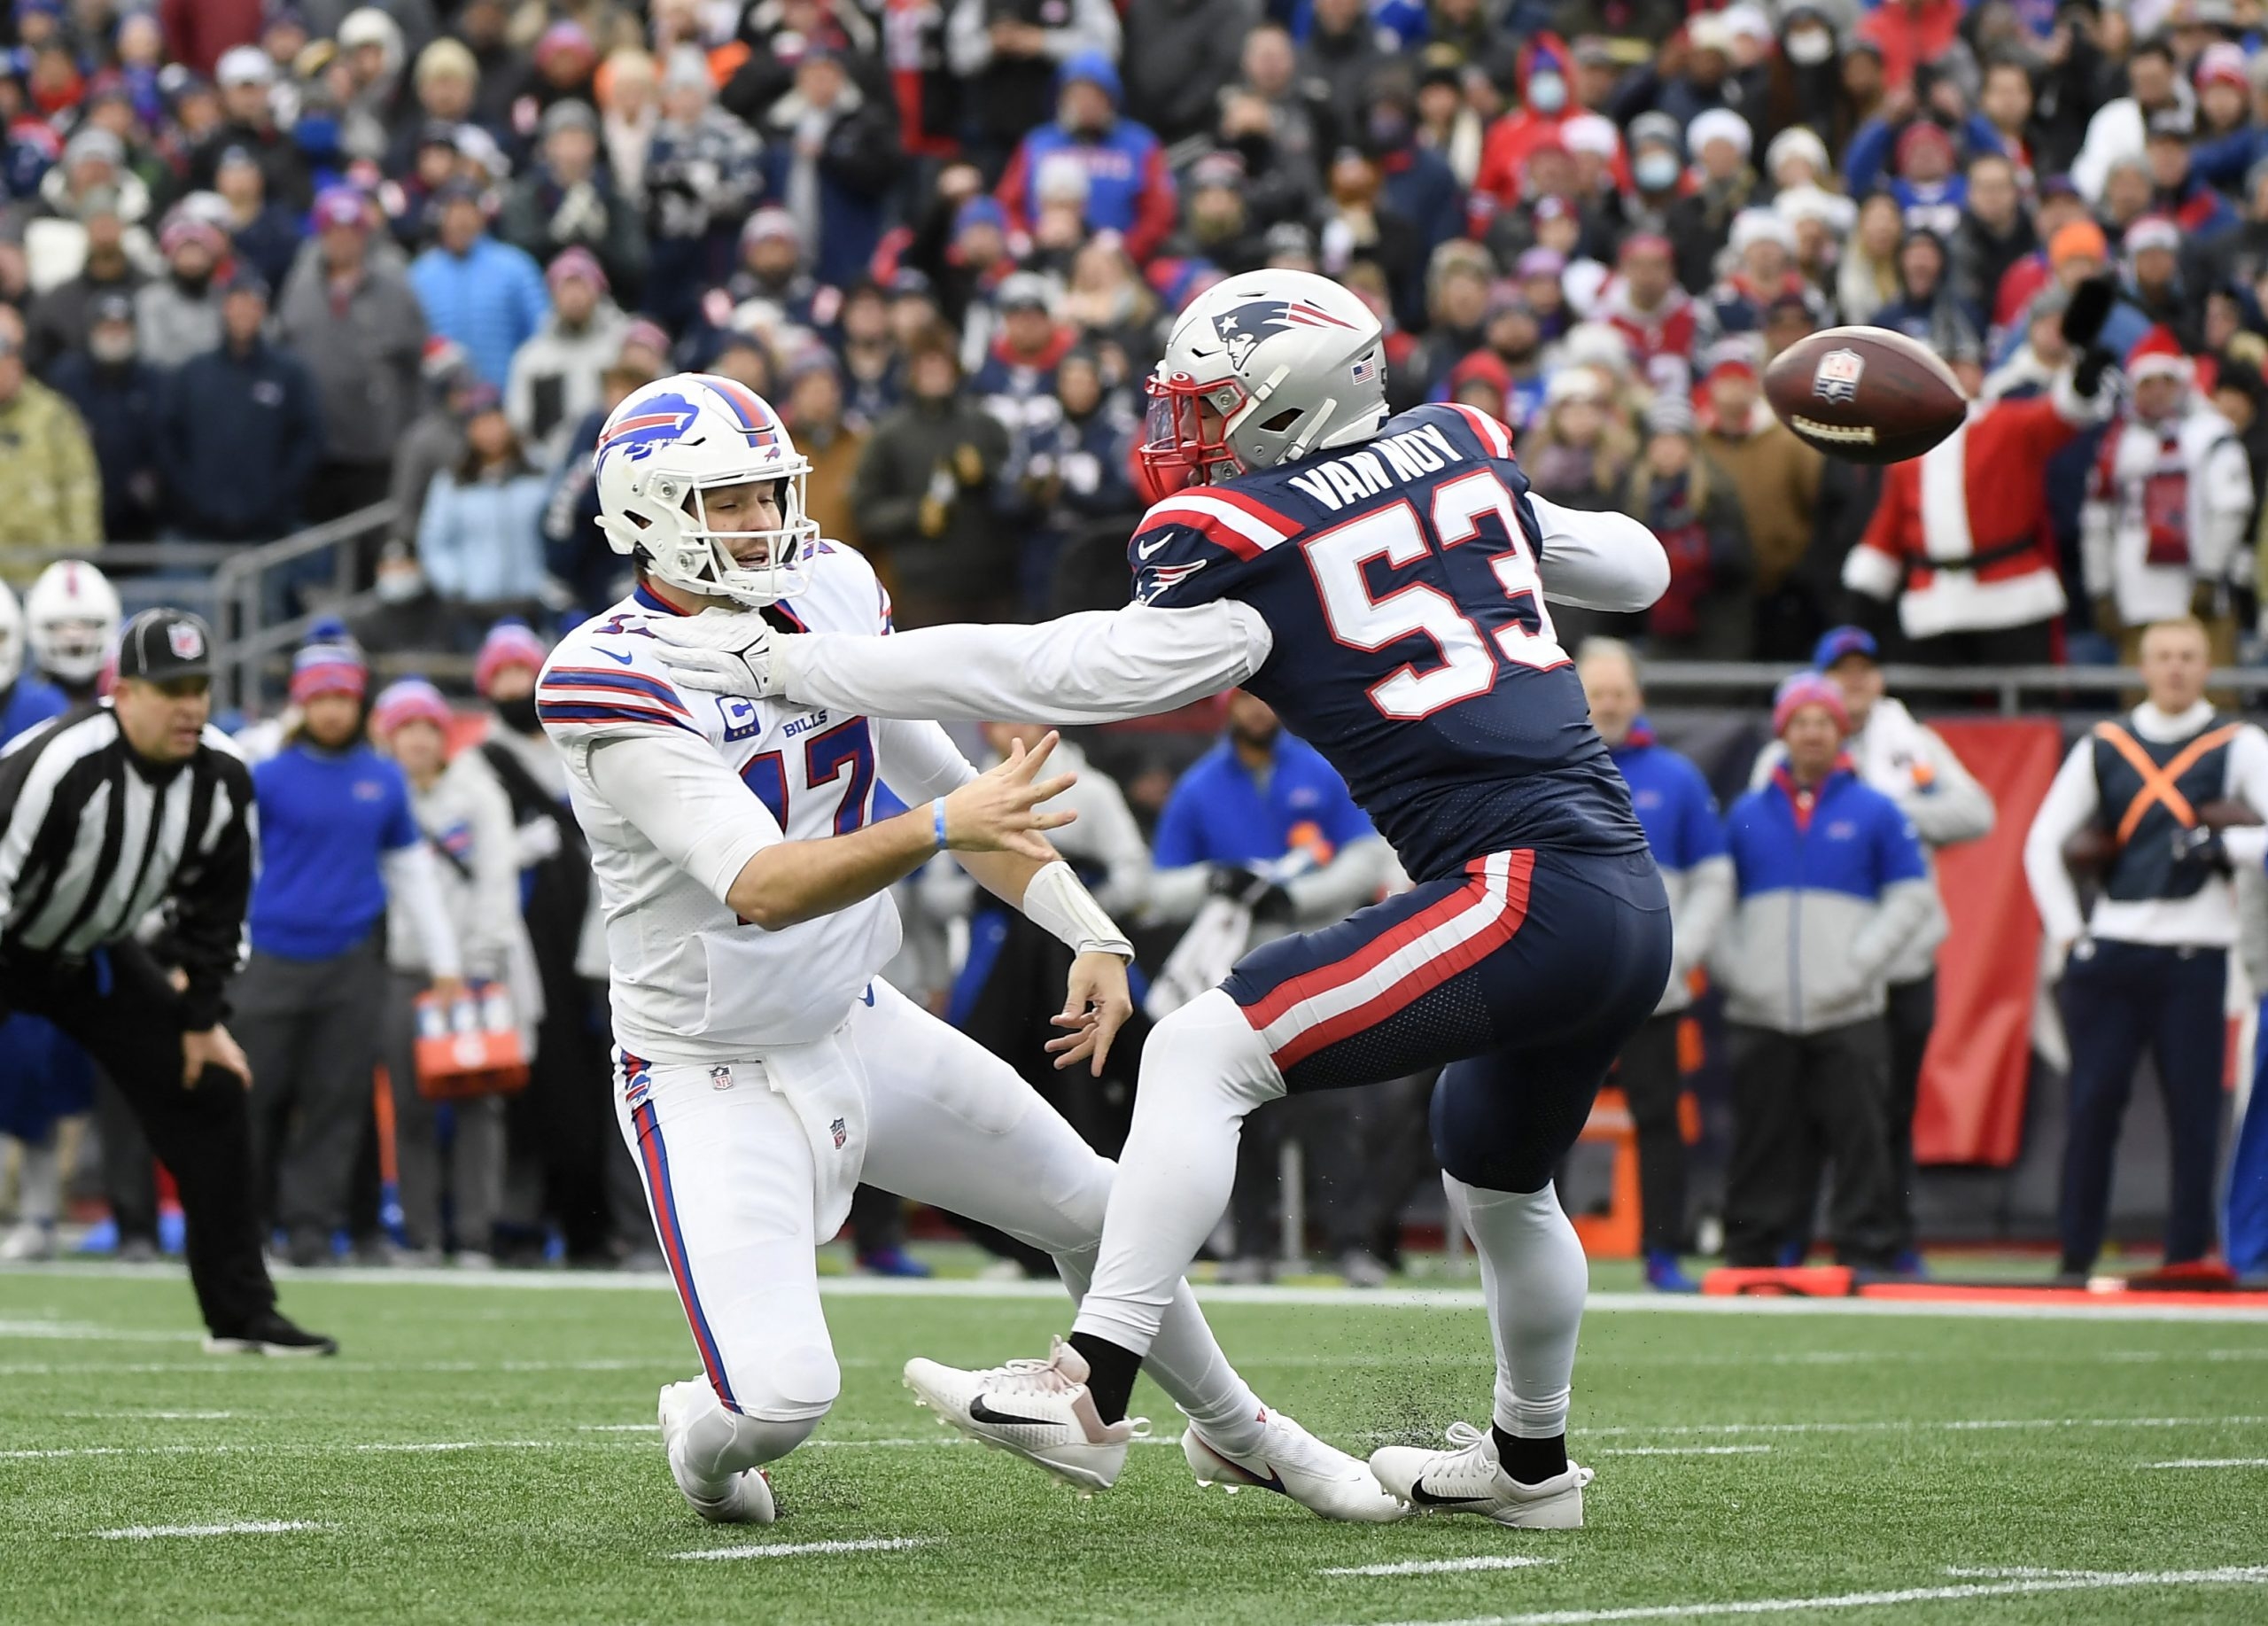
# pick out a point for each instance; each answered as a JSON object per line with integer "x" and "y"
{"x": 1835, "y": 380}
{"x": 186, "y": 641}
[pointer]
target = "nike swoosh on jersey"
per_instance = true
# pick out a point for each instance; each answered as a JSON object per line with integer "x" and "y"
{"x": 979, "y": 1411}
{"x": 1144, "y": 551}
{"x": 623, "y": 660}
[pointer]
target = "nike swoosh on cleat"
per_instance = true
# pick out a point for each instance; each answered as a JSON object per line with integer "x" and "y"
{"x": 622, "y": 659}
{"x": 1418, "y": 1493}
{"x": 979, "y": 1411}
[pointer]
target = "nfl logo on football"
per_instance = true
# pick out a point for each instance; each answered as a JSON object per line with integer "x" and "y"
{"x": 1836, "y": 378}
{"x": 721, "y": 1078}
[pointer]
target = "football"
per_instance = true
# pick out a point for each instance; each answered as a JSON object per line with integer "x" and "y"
{"x": 1865, "y": 394}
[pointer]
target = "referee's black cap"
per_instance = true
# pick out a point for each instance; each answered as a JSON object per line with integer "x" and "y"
{"x": 161, "y": 645}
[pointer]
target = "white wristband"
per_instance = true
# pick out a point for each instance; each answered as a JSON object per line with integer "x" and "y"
{"x": 1060, "y": 906}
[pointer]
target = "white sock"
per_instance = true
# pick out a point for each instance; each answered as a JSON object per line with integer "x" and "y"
{"x": 1533, "y": 1275}
{"x": 39, "y": 1183}
{"x": 1203, "y": 1069}
{"x": 718, "y": 1444}
{"x": 1187, "y": 1363}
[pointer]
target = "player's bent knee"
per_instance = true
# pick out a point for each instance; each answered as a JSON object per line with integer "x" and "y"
{"x": 797, "y": 1384}
{"x": 1207, "y": 1047}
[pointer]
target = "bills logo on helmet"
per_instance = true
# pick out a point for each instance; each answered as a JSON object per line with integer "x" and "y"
{"x": 1242, "y": 328}
{"x": 655, "y": 424}
{"x": 185, "y": 642}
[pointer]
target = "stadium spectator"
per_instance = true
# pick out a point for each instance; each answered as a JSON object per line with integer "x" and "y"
{"x": 2161, "y": 803}
{"x": 118, "y": 397}
{"x": 1174, "y": 67}
{"x": 112, "y": 263}
{"x": 2167, "y": 508}
{"x": 178, "y": 314}
{"x": 1776, "y": 477}
{"x": 435, "y": 438}
{"x": 1263, "y": 823}
{"x": 351, "y": 316}
{"x": 926, "y": 494}
{"x": 1688, "y": 837}
{"x": 1693, "y": 507}
{"x": 479, "y": 538}
{"x": 246, "y": 76}
{"x": 338, "y": 838}
{"x": 1129, "y": 189}
{"x": 1008, "y": 53}
{"x": 554, "y": 382}
{"x": 467, "y": 822}
{"x": 262, "y": 231}
{"x": 1910, "y": 764}
{"x": 485, "y": 295}
{"x": 2119, "y": 127}
{"x": 567, "y": 200}
{"x": 50, "y": 492}
{"x": 703, "y": 168}
{"x": 1956, "y": 541}
{"x": 242, "y": 429}
{"x": 831, "y": 158}
{"x": 813, "y": 413}
{"x": 1832, "y": 887}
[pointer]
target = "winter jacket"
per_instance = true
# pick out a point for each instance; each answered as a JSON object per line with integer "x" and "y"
{"x": 701, "y": 177}
{"x": 1910, "y": 763}
{"x": 173, "y": 321}
{"x": 58, "y": 319}
{"x": 467, "y": 818}
{"x": 50, "y": 493}
{"x": 241, "y": 436}
{"x": 55, "y": 242}
{"x": 489, "y": 300}
{"x": 1688, "y": 837}
{"x": 1175, "y": 63}
{"x": 542, "y": 217}
{"x": 119, "y": 406}
{"x": 479, "y": 542}
{"x": 555, "y": 380}
{"x": 364, "y": 355}
{"x": 840, "y": 196}
{"x": 1831, "y": 888}
{"x": 1007, "y": 96}
{"x": 1705, "y": 613}
{"x": 1129, "y": 190}
{"x": 1777, "y": 478}
{"x": 433, "y": 443}
{"x": 270, "y": 240}
{"x": 924, "y": 498}
{"x": 2166, "y": 511}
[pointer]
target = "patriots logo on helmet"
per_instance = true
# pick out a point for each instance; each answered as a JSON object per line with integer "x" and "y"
{"x": 1242, "y": 328}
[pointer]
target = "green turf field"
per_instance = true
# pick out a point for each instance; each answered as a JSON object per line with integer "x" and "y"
{"x": 486, "y": 1453}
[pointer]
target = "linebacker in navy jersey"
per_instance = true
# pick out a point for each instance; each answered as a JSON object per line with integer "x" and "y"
{"x": 1381, "y": 584}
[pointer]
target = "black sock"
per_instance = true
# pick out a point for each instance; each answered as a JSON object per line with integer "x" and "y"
{"x": 1110, "y": 1373}
{"x": 1531, "y": 1462}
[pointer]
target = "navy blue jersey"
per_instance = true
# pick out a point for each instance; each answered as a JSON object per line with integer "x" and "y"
{"x": 1412, "y": 645}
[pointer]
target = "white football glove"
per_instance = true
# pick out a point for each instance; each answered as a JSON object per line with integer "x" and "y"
{"x": 718, "y": 651}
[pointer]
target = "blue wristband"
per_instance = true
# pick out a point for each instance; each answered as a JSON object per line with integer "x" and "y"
{"x": 938, "y": 820}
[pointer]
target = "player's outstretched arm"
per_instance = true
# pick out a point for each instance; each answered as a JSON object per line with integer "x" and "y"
{"x": 997, "y": 812}
{"x": 1103, "y": 665}
{"x": 1599, "y": 561}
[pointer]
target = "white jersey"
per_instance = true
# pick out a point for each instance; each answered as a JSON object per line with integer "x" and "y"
{"x": 677, "y": 791}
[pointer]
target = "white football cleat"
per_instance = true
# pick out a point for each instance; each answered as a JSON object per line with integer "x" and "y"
{"x": 1468, "y": 1479}
{"x": 1038, "y": 1409}
{"x": 29, "y": 1239}
{"x": 1292, "y": 1462}
{"x": 744, "y": 1498}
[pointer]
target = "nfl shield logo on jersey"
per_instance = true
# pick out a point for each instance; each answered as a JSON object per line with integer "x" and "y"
{"x": 840, "y": 1132}
{"x": 721, "y": 1078}
{"x": 1835, "y": 380}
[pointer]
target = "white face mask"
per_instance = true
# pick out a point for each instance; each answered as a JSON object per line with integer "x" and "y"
{"x": 1547, "y": 93}
{"x": 1657, "y": 172}
{"x": 110, "y": 347}
{"x": 1810, "y": 47}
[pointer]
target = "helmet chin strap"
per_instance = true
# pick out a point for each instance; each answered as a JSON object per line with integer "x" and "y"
{"x": 1299, "y": 447}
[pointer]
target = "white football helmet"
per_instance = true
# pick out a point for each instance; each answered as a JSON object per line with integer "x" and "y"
{"x": 681, "y": 436}
{"x": 11, "y": 638}
{"x": 1290, "y": 362}
{"x": 72, "y": 618}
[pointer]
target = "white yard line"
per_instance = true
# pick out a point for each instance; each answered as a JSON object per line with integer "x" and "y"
{"x": 1442, "y": 1567}
{"x": 153, "y": 1532}
{"x": 160, "y": 1417}
{"x": 2112, "y": 1307}
{"x": 2058, "y": 1580}
{"x": 2215, "y": 1462}
{"x": 89, "y": 1332}
{"x": 1681, "y": 1451}
{"x": 803, "y": 1549}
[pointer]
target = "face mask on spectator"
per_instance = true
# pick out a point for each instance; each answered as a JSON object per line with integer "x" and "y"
{"x": 1389, "y": 128}
{"x": 1547, "y": 93}
{"x": 110, "y": 347}
{"x": 1810, "y": 47}
{"x": 519, "y": 714}
{"x": 1656, "y": 171}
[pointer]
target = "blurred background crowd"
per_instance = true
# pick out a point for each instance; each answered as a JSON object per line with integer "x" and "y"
{"x": 266, "y": 266}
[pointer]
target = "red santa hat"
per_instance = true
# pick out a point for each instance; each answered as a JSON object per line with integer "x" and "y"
{"x": 2157, "y": 354}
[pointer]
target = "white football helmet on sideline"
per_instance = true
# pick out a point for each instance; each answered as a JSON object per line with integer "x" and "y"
{"x": 11, "y": 638}
{"x": 1290, "y": 363}
{"x": 693, "y": 433}
{"x": 72, "y": 618}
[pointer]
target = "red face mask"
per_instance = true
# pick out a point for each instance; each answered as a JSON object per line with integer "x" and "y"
{"x": 1177, "y": 452}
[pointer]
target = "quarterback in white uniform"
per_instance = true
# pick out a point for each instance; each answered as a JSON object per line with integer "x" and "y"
{"x": 763, "y": 1068}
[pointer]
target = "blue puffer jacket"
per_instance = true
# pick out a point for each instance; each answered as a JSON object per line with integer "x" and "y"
{"x": 1831, "y": 884}
{"x": 490, "y": 299}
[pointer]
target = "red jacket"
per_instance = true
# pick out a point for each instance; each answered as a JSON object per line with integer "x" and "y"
{"x": 1909, "y": 34}
{"x": 197, "y": 31}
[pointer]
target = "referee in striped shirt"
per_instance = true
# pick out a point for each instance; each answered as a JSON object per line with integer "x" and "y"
{"x": 115, "y": 810}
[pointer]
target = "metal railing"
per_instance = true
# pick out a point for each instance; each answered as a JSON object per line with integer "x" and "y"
{"x": 146, "y": 574}
{"x": 249, "y": 587}
{"x": 2049, "y": 688}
